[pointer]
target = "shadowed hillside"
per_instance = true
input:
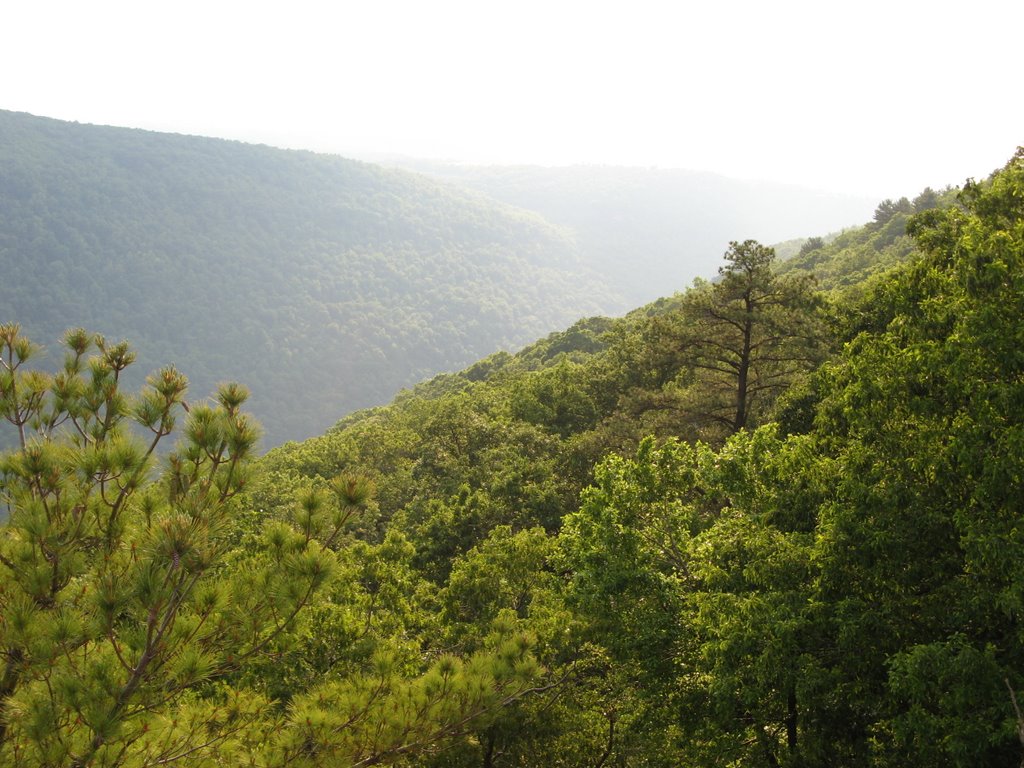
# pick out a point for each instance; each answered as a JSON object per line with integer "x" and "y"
{"x": 324, "y": 284}
{"x": 651, "y": 231}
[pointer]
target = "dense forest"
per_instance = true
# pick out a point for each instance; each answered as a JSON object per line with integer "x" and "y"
{"x": 325, "y": 284}
{"x": 766, "y": 521}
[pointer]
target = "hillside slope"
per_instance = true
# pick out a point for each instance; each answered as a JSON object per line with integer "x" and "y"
{"x": 845, "y": 566}
{"x": 650, "y": 231}
{"x": 546, "y": 415}
{"x": 324, "y": 284}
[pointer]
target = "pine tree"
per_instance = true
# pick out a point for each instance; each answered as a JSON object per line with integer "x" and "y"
{"x": 138, "y": 605}
{"x": 748, "y": 336}
{"x": 116, "y": 599}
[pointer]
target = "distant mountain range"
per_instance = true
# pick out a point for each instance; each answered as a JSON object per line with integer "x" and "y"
{"x": 327, "y": 284}
{"x": 650, "y": 231}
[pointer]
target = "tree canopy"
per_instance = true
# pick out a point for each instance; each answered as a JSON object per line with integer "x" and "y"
{"x": 755, "y": 523}
{"x": 849, "y": 595}
{"x": 142, "y": 613}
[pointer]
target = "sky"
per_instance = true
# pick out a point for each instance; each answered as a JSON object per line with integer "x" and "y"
{"x": 875, "y": 97}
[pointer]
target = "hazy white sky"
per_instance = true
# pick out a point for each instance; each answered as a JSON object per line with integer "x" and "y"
{"x": 880, "y": 97}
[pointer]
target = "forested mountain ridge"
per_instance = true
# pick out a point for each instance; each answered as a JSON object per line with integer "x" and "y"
{"x": 850, "y": 258}
{"x": 648, "y": 229}
{"x": 326, "y": 284}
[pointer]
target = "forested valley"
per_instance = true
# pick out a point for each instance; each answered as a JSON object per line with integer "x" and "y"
{"x": 770, "y": 520}
{"x": 327, "y": 284}
{"x": 643, "y": 229}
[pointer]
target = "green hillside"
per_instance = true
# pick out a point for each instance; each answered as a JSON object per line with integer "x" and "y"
{"x": 850, "y": 258}
{"x": 768, "y": 521}
{"x": 621, "y": 378}
{"x": 325, "y": 284}
{"x": 328, "y": 284}
{"x": 828, "y": 585}
{"x": 600, "y": 386}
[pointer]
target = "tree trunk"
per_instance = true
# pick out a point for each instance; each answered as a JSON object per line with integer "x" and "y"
{"x": 489, "y": 750}
{"x": 743, "y": 374}
{"x": 791, "y": 718}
